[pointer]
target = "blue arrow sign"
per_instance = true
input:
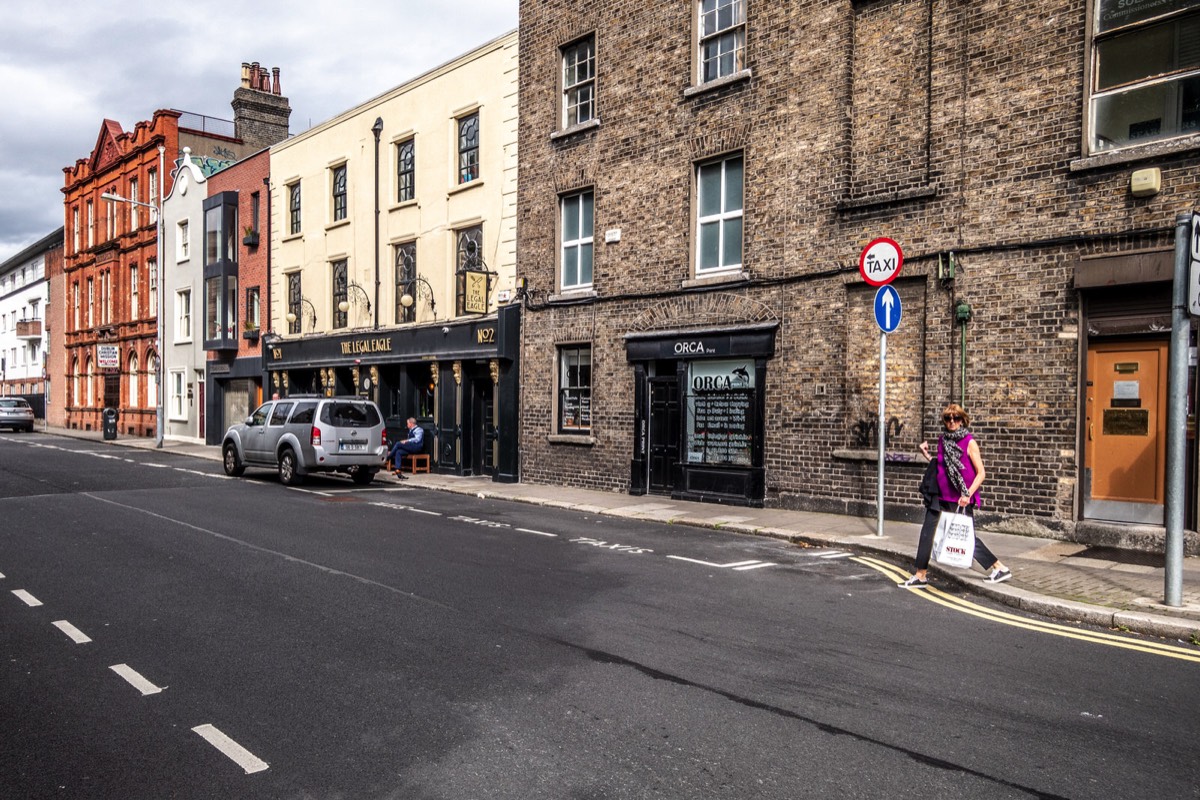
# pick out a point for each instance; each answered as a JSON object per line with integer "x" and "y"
{"x": 887, "y": 309}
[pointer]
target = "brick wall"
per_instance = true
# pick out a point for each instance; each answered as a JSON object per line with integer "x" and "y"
{"x": 906, "y": 118}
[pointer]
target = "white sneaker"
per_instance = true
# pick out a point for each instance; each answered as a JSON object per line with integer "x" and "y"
{"x": 999, "y": 576}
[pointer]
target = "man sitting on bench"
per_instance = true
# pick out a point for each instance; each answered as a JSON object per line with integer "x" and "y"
{"x": 415, "y": 443}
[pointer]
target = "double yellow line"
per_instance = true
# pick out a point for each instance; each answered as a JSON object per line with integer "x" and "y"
{"x": 967, "y": 607}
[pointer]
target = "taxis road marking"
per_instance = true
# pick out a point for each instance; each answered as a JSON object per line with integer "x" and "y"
{"x": 967, "y": 607}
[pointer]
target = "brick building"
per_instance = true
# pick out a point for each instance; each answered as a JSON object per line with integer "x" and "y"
{"x": 698, "y": 179}
{"x": 235, "y": 364}
{"x": 109, "y": 314}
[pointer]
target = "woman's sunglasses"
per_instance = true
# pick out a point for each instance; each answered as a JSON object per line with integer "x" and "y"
{"x": 952, "y": 418}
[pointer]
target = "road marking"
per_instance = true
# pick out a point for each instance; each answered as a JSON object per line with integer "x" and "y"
{"x": 974, "y": 609}
{"x": 27, "y": 598}
{"x": 135, "y": 680}
{"x": 156, "y": 466}
{"x": 736, "y": 565}
{"x": 77, "y": 636}
{"x": 231, "y": 749}
{"x": 835, "y": 555}
{"x": 1, "y": 576}
{"x": 522, "y": 530}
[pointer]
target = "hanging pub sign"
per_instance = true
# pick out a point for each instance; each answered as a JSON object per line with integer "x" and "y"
{"x": 475, "y": 291}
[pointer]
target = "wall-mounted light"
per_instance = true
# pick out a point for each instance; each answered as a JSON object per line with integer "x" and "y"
{"x": 413, "y": 289}
{"x": 344, "y": 305}
{"x": 291, "y": 315}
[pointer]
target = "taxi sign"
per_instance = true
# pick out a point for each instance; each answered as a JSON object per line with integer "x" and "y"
{"x": 880, "y": 261}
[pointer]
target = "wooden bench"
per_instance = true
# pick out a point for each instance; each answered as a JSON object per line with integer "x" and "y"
{"x": 417, "y": 462}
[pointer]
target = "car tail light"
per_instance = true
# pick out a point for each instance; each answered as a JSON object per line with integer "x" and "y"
{"x": 383, "y": 437}
{"x": 316, "y": 436}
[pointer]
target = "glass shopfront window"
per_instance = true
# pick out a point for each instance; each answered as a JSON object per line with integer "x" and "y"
{"x": 720, "y": 412}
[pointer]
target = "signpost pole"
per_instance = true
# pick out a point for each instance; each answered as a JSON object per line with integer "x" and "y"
{"x": 881, "y": 430}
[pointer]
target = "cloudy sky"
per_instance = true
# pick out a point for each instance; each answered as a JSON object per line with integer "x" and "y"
{"x": 66, "y": 66}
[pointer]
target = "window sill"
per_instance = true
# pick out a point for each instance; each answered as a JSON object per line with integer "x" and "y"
{"x": 854, "y": 204}
{"x": 341, "y": 223}
{"x": 292, "y": 237}
{"x": 719, "y": 83}
{"x": 1129, "y": 155}
{"x": 573, "y": 295}
{"x": 577, "y": 439}
{"x": 711, "y": 280}
{"x": 581, "y": 127}
{"x": 414, "y": 203}
{"x": 462, "y": 187}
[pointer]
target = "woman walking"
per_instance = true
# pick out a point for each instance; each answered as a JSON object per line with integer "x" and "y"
{"x": 960, "y": 473}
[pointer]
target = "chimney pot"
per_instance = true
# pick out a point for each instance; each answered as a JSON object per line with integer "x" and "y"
{"x": 245, "y": 75}
{"x": 275, "y": 89}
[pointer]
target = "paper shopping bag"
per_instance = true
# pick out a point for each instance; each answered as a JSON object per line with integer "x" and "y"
{"x": 954, "y": 540}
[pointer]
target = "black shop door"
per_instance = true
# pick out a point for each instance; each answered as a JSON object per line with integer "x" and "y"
{"x": 664, "y": 434}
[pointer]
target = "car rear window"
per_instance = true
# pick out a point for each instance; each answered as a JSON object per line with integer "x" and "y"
{"x": 10, "y": 403}
{"x": 350, "y": 415}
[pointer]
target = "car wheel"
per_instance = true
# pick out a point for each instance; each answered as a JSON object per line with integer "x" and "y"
{"x": 233, "y": 465}
{"x": 289, "y": 475}
{"x": 362, "y": 475}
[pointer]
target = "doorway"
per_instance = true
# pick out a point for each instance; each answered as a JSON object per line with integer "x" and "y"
{"x": 664, "y": 434}
{"x": 1125, "y": 431}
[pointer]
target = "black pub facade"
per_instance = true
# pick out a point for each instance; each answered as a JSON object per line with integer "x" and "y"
{"x": 459, "y": 379}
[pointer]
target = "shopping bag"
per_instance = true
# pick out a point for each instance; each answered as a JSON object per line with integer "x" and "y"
{"x": 954, "y": 540}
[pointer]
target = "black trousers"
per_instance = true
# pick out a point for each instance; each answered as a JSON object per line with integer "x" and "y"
{"x": 985, "y": 557}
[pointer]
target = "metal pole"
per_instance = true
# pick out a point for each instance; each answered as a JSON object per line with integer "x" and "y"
{"x": 1176, "y": 488}
{"x": 162, "y": 291}
{"x": 881, "y": 430}
{"x": 377, "y": 129}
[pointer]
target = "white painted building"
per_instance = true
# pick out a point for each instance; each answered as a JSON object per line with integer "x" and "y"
{"x": 24, "y": 292}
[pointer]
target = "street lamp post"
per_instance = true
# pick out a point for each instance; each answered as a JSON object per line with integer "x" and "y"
{"x": 158, "y": 274}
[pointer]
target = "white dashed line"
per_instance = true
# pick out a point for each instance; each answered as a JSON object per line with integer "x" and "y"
{"x": 135, "y": 680}
{"x": 76, "y": 635}
{"x": 27, "y": 598}
{"x": 234, "y": 751}
{"x": 528, "y": 530}
{"x": 836, "y": 555}
{"x": 754, "y": 566}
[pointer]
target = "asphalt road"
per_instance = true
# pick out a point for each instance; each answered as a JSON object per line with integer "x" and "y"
{"x": 246, "y": 640}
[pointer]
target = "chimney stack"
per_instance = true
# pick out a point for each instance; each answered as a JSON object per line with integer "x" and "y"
{"x": 260, "y": 111}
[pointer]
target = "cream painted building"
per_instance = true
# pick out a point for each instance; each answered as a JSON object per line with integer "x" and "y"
{"x": 393, "y": 259}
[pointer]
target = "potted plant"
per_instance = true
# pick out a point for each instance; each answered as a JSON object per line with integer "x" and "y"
{"x": 250, "y": 330}
{"x": 251, "y": 237}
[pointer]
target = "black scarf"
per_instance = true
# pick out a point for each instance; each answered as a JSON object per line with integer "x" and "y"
{"x": 953, "y": 454}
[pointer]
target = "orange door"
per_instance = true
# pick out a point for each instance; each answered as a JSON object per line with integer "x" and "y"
{"x": 1125, "y": 441}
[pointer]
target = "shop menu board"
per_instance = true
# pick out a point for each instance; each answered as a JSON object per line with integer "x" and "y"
{"x": 719, "y": 430}
{"x": 576, "y": 410}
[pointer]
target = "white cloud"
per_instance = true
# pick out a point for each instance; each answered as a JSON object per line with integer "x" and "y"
{"x": 67, "y": 66}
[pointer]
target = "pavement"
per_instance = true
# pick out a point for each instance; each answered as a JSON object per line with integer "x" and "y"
{"x": 1109, "y": 587}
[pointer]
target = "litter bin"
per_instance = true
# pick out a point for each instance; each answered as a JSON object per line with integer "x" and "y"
{"x": 110, "y": 423}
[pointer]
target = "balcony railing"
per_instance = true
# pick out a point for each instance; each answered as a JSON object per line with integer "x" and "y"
{"x": 29, "y": 329}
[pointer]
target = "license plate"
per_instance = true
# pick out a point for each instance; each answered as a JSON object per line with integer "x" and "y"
{"x": 354, "y": 446}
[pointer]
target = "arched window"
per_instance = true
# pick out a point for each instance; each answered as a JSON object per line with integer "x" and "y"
{"x": 152, "y": 380}
{"x": 135, "y": 399}
{"x": 91, "y": 384}
{"x": 73, "y": 384}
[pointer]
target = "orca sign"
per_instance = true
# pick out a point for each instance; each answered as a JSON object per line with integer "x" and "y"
{"x": 880, "y": 261}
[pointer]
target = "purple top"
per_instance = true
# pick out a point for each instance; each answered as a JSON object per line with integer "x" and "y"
{"x": 948, "y": 493}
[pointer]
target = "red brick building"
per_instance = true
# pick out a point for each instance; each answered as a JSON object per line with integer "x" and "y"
{"x": 107, "y": 324}
{"x": 234, "y": 376}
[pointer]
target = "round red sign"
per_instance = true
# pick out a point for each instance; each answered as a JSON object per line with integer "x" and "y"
{"x": 880, "y": 261}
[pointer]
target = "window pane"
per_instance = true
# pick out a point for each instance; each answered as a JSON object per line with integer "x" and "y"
{"x": 586, "y": 226}
{"x": 709, "y": 185}
{"x": 733, "y": 184}
{"x": 1144, "y": 114}
{"x": 731, "y": 247}
{"x": 710, "y": 244}
{"x": 570, "y": 266}
{"x": 1112, "y": 14}
{"x": 1148, "y": 52}
{"x": 571, "y": 218}
{"x": 585, "y": 264}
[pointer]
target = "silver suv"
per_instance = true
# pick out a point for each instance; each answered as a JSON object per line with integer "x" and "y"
{"x": 302, "y": 434}
{"x": 15, "y": 413}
